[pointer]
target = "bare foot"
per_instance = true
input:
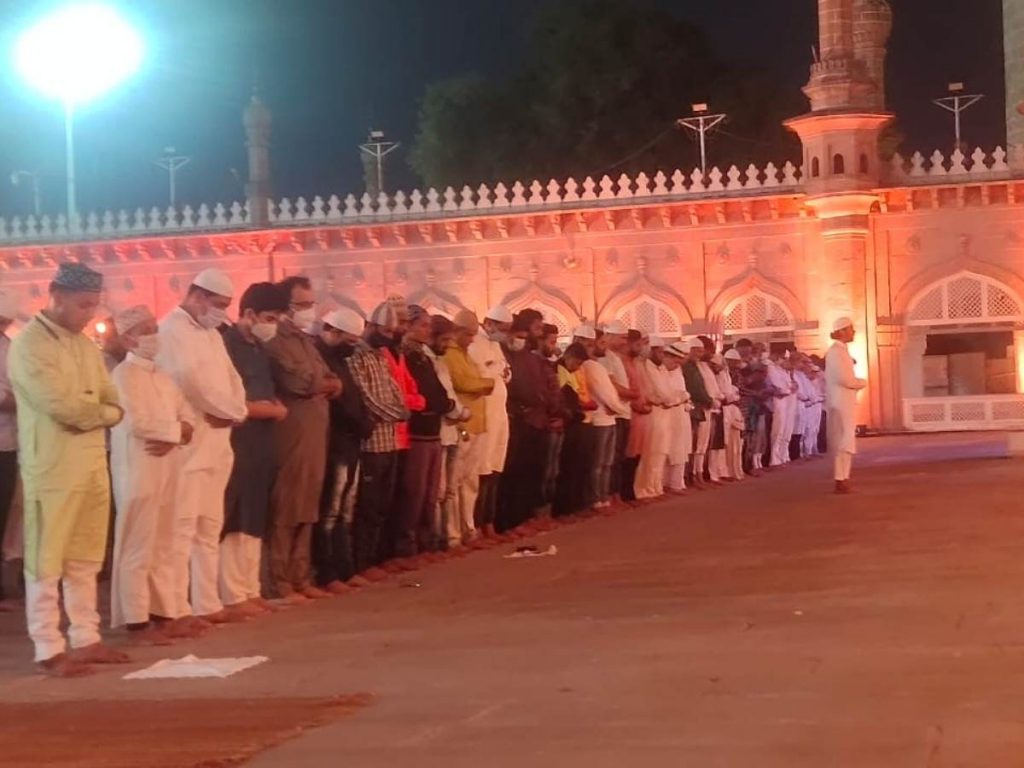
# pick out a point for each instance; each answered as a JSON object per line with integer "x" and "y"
{"x": 314, "y": 593}
{"x": 358, "y": 581}
{"x": 62, "y": 665}
{"x": 337, "y": 587}
{"x": 294, "y": 598}
{"x": 264, "y": 605}
{"x": 98, "y": 653}
{"x": 225, "y": 616}
{"x": 375, "y": 574}
{"x": 247, "y": 609}
{"x": 151, "y": 635}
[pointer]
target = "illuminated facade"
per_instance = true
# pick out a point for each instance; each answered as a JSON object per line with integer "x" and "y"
{"x": 926, "y": 253}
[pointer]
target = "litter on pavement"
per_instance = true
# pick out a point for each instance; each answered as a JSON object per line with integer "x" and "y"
{"x": 532, "y": 552}
{"x": 193, "y": 666}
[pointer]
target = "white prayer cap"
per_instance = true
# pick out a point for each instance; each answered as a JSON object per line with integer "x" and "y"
{"x": 499, "y": 313}
{"x": 127, "y": 319}
{"x": 344, "y": 320}
{"x": 615, "y": 328}
{"x": 657, "y": 342}
{"x": 10, "y": 303}
{"x": 215, "y": 281}
{"x": 678, "y": 349}
{"x": 733, "y": 354}
{"x": 585, "y": 332}
{"x": 841, "y": 323}
{"x": 695, "y": 343}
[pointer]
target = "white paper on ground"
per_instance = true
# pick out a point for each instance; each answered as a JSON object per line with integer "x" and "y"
{"x": 532, "y": 552}
{"x": 193, "y": 666}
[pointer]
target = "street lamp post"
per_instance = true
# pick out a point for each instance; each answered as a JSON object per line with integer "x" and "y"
{"x": 74, "y": 55}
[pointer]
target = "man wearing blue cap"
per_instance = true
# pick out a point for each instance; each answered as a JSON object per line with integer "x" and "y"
{"x": 65, "y": 401}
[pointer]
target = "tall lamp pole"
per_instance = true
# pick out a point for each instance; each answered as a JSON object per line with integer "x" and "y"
{"x": 172, "y": 162}
{"x": 74, "y": 55}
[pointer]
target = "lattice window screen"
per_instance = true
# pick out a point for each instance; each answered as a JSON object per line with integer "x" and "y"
{"x": 651, "y": 316}
{"x": 965, "y": 298}
{"x": 757, "y": 313}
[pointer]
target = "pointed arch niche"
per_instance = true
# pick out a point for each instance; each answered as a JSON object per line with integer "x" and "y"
{"x": 962, "y": 299}
{"x": 756, "y": 313}
{"x": 651, "y": 316}
{"x": 556, "y": 307}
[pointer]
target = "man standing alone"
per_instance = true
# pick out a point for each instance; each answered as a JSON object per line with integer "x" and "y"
{"x": 65, "y": 400}
{"x": 842, "y": 386}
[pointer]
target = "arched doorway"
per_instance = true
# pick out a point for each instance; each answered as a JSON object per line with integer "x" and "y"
{"x": 651, "y": 316}
{"x": 758, "y": 316}
{"x": 963, "y": 356}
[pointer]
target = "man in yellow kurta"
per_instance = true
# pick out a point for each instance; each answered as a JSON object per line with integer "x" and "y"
{"x": 65, "y": 400}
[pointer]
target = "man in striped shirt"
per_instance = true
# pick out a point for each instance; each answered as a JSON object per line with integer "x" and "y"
{"x": 379, "y": 451}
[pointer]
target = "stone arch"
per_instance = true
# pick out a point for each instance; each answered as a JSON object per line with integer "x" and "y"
{"x": 926, "y": 278}
{"x": 436, "y": 302}
{"x": 753, "y": 295}
{"x": 651, "y": 316}
{"x": 660, "y": 297}
{"x": 815, "y": 168}
{"x": 838, "y": 165}
{"x": 556, "y": 307}
{"x": 962, "y": 298}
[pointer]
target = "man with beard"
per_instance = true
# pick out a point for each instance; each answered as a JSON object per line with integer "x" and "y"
{"x": 423, "y": 467}
{"x": 350, "y": 424}
{"x": 378, "y": 452}
{"x": 522, "y": 482}
{"x": 488, "y": 355}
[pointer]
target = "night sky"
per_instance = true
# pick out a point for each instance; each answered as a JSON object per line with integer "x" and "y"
{"x": 329, "y": 69}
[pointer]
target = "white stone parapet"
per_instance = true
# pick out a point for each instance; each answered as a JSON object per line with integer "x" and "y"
{"x": 431, "y": 205}
{"x": 957, "y": 168}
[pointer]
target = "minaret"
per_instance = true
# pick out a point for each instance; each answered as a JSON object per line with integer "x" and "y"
{"x": 1013, "y": 58}
{"x": 842, "y": 171}
{"x": 256, "y": 120}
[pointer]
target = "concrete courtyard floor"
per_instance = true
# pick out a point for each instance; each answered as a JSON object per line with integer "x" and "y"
{"x": 766, "y": 624}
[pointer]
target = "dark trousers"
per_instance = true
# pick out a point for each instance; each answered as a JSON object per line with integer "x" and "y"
{"x": 376, "y": 499}
{"x": 552, "y": 466}
{"x": 823, "y": 435}
{"x": 523, "y": 478}
{"x": 618, "y": 484}
{"x": 573, "y": 486}
{"x": 629, "y": 467}
{"x": 332, "y": 536}
{"x": 420, "y": 483}
{"x": 394, "y": 514}
{"x": 485, "y": 512}
{"x": 8, "y": 482}
{"x": 795, "y": 447}
{"x": 766, "y": 459}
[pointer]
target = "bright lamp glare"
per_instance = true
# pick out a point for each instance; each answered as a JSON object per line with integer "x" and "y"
{"x": 78, "y": 53}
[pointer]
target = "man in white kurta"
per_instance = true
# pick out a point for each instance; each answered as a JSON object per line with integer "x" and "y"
{"x": 143, "y": 467}
{"x": 782, "y": 411}
{"x": 716, "y": 456}
{"x": 812, "y": 426}
{"x": 485, "y": 350}
{"x": 650, "y": 473}
{"x": 192, "y": 351}
{"x": 732, "y": 415}
{"x": 680, "y": 426}
{"x": 841, "y": 387}
{"x": 65, "y": 401}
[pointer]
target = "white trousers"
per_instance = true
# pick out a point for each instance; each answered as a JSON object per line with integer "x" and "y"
{"x": 812, "y": 428}
{"x": 717, "y": 465}
{"x": 195, "y": 529}
{"x": 782, "y": 430}
{"x": 675, "y": 476}
{"x": 240, "y": 556}
{"x": 42, "y": 609}
{"x": 650, "y": 473}
{"x": 466, "y": 482}
{"x": 843, "y": 465}
{"x": 734, "y": 453}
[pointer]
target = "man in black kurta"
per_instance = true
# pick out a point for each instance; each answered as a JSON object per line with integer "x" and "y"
{"x": 247, "y": 499}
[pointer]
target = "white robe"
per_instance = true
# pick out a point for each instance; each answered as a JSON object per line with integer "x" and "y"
{"x": 841, "y": 387}
{"x": 650, "y": 472}
{"x": 680, "y": 426}
{"x": 143, "y": 484}
{"x": 199, "y": 364}
{"x": 490, "y": 359}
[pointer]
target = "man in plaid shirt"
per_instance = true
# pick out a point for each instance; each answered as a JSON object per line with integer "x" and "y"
{"x": 379, "y": 451}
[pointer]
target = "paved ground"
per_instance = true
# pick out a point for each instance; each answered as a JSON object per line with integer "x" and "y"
{"x": 768, "y": 624}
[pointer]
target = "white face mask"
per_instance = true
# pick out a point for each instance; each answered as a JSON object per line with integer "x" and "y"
{"x": 264, "y": 331}
{"x": 213, "y": 318}
{"x": 148, "y": 346}
{"x": 498, "y": 336}
{"x": 304, "y": 319}
{"x": 517, "y": 345}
